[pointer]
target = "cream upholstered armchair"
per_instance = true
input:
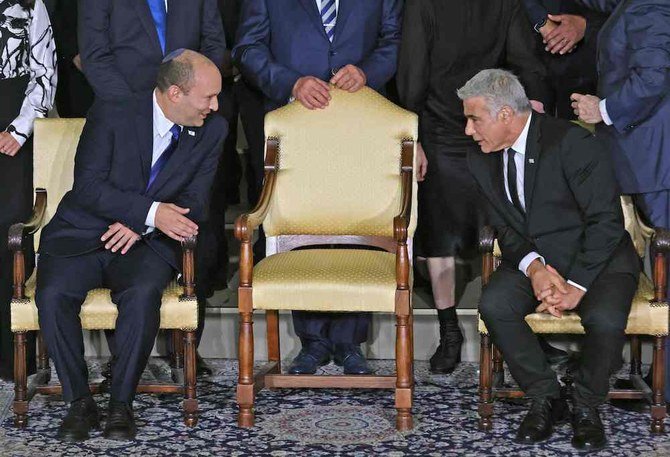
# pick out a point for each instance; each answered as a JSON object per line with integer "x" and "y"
{"x": 343, "y": 175}
{"x": 648, "y": 318}
{"x": 55, "y": 144}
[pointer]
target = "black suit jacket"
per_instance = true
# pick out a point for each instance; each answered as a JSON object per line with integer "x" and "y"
{"x": 119, "y": 45}
{"x": 573, "y": 210}
{"x": 111, "y": 173}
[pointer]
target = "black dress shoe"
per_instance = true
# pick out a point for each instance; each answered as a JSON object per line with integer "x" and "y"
{"x": 120, "y": 422}
{"x": 79, "y": 420}
{"x": 309, "y": 359}
{"x": 539, "y": 421}
{"x": 351, "y": 358}
{"x": 588, "y": 430}
{"x": 201, "y": 367}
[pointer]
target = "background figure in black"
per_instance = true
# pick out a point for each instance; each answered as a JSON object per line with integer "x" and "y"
{"x": 74, "y": 95}
{"x": 27, "y": 86}
{"x": 444, "y": 44}
{"x": 567, "y": 35}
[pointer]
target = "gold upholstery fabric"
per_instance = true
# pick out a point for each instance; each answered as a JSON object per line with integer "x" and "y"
{"x": 645, "y": 318}
{"x": 99, "y": 313}
{"x": 639, "y": 233}
{"x": 339, "y": 167}
{"x": 55, "y": 145}
{"x": 326, "y": 280}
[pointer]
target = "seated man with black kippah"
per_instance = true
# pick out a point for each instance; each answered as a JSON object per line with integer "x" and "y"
{"x": 143, "y": 172}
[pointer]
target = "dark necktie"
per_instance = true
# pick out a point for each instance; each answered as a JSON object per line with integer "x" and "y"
{"x": 159, "y": 13}
{"x": 511, "y": 181}
{"x": 162, "y": 160}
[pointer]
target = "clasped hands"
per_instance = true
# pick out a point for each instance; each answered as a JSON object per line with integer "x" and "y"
{"x": 552, "y": 290}
{"x": 562, "y": 32}
{"x": 314, "y": 93}
{"x": 170, "y": 219}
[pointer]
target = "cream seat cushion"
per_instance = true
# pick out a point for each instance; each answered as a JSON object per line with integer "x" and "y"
{"x": 646, "y": 316}
{"x": 326, "y": 280}
{"x": 99, "y": 313}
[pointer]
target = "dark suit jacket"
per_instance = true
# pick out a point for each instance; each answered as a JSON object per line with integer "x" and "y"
{"x": 279, "y": 41}
{"x": 634, "y": 69}
{"x": 111, "y": 172}
{"x": 573, "y": 210}
{"x": 119, "y": 45}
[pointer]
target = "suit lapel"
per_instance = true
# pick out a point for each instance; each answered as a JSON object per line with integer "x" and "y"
{"x": 314, "y": 15}
{"x": 532, "y": 160}
{"x": 143, "y": 11}
{"x": 144, "y": 122}
{"x": 186, "y": 142}
{"x": 343, "y": 12}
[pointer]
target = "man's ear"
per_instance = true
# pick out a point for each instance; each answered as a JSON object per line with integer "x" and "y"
{"x": 505, "y": 114}
{"x": 174, "y": 93}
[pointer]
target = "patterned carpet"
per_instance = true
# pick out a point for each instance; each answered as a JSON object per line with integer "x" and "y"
{"x": 318, "y": 423}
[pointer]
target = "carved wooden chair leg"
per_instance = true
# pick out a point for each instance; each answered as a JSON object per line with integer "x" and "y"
{"x": 635, "y": 355}
{"x": 658, "y": 407}
{"x": 404, "y": 381}
{"x": 274, "y": 353}
{"x": 245, "y": 384}
{"x": 190, "y": 399}
{"x": 43, "y": 360}
{"x": 498, "y": 370}
{"x": 485, "y": 384}
{"x": 20, "y": 381}
{"x": 177, "y": 349}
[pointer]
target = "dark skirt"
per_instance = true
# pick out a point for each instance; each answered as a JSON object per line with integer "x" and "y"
{"x": 16, "y": 199}
{"x": 450, "y": 211}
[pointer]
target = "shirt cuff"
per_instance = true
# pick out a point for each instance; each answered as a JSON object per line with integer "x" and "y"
{"x": 21, "y": 139}
{"x": 151, "y": 215}
{"x": 603, "y": 112}
{"x": 572, "y": 283}
{"x": 528, "y": 259}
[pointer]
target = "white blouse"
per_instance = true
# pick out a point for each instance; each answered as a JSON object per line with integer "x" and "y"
{"x": 27, "y": 48}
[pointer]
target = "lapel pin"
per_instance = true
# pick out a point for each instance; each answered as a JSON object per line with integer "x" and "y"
{"x": 191, "y": 132}
{"x": 531, "y": 160}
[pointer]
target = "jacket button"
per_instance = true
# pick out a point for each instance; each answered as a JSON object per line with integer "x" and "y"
{"x": 333, "y": 53}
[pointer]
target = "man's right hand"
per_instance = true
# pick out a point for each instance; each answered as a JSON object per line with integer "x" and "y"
{"x": 544, "y": 279}
{"x": 311, "y": 92}
{"x": 171, "y": 220}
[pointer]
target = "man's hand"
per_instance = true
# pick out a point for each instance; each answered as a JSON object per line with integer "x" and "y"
{"x": 547, "y": 28}
{"x": 564, "y": 38}
{"x": 587, "y": 108}
{"x": 421, "y": 163}
{"x": 537, "y": 106}
{"x": 545, "y": 280}
{"x": 8, "y": 144}
{"x": 562, "y": 302}
{"x": 311, "y": 92}
{"x": 119, "y": 237}
{"x": 171, "y": 220}
{"x": 76, "y": 60}
{"x": 350, "y": 78}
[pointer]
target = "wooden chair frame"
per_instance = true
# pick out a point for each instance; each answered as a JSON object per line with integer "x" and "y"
{"x": 491, "y": 372}
{"x": 184, "y": 342}
{"x": 270, "y": 375}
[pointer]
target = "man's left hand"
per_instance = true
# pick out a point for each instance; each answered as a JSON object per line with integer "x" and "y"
{"x": 8, "y": 144}
{"x": 587, "y": 108}
{"x": 561, "y": 302}
{"x": 349, "y": 78}
{"x": 564, "y": 38}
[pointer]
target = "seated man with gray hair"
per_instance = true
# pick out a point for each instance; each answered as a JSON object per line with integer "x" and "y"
{"x": 553, "y": 200}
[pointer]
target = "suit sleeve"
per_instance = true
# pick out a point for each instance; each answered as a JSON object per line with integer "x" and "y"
{"x": 522, "y": 56}
{"x": 380, "y": 66}
{"x": 648, "y": 81}
{"x": 535, "y": 11}
{"x": 212, "y": 36}
{"x": 253, "y": 56}
{"x": 93, "y": 162}
{"x": 414, "y": 64}
{"x": 587, "y": 168}
{"x": 97, "y": 60}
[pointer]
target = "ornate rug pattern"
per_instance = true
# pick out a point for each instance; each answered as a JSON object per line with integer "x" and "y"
{"x": 317, "y": 423}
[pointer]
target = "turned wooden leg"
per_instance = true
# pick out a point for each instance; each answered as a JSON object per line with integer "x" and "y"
{"x": 177, "y": 349}
{"x": 245, "y": 384}
{"x": 635, "y": 355}
{"x": 404, "y": 378}
{"x": 498, "y": 371}
{"x": 485, "y": 384}
{"x": 190, "y": 400}
{"x": 658, "y": 407}
{"x": 274, "y": 353}
{"x": 20, "y": 381}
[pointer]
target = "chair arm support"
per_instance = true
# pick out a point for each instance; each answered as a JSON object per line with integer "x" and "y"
{"x": 188, "y": 265}
{"x": 661, "y": 240}
{"x": 661, "y": 245}
{"x": 487, "y": 236}
{"x": 18, "y": 232}
{"x": 402, "y": 220}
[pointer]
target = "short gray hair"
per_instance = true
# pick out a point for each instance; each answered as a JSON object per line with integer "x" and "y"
{"x": 499, "y": 88}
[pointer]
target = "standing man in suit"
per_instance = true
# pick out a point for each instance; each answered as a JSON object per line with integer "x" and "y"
{"x": 292, "y": 50}
{"x": 632, "y": 108}
{"x": 143, "y": 173}
{"x": 553, "y": 200}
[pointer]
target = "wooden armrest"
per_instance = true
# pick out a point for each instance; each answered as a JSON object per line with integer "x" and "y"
{"x": 18, "y": 232}
{"x": 487, "y": 236}
{"x": 402, "y": 220}
{"x": 248, "y": 222}
{"x": 188, "y": 265}
{"x": 661, "y": 245}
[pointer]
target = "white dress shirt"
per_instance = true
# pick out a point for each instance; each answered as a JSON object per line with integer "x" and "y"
{"x": 519, "y": 147}
{"x": 602, "y": 106}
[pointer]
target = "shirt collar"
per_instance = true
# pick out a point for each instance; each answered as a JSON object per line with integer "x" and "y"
{"x": 162, "y": 124}
{"x": 520, "y": 143}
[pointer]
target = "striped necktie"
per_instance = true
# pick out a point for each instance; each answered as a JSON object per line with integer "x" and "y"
{"x": 167, "y": 153}
{"x": 329, "y": 17}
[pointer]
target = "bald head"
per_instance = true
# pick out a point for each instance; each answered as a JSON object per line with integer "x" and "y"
{"x": 179, "y": 67}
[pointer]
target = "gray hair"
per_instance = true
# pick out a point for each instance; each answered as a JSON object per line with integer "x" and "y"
{"x": 499, "y": 88}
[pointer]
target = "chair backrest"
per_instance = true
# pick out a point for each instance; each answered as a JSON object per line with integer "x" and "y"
{"x": 55, "y": 145}
{"x": 339, "y": 168}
